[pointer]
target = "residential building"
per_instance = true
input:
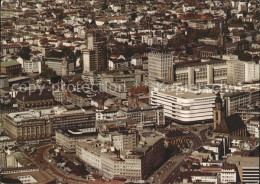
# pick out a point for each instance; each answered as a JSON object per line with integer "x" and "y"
{"x": 136, "y": 60}
{"x": 123, "y": 139}
{"x": 32, "y": 66}
{"x": 117, "y": 62}
{"x": 204, "y": 177}
{"x": 11, "y": 68}
{"x": 253, "y": 126}
{"x": 3, "y": 81}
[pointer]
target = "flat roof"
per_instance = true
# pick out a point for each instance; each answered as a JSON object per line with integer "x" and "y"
{"x": 18, "y": 78}
{"x": 21, "y": 158}
{"x": 189, "y": 95}
{"x": 42, "y": 177}
{"x": 244, "y": 161}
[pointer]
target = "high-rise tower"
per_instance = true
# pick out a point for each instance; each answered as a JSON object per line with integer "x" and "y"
{"x": 95, "y": 56}
{"x": 222, "y": 38}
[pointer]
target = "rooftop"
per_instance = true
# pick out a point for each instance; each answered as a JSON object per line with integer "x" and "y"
{"x": 244, "y": 161}
{"x": 189, "y": 95}
{"x": 10, "y": 62}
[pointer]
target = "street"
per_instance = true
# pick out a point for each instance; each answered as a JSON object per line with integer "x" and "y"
{"x": 168, "y": 172}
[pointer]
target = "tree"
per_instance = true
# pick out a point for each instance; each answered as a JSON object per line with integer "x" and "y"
{"x": 25, "y": 53}
{"x": 177, "y": 41}
{"x": 48, "y": 72}
{"x": 214, "y": 33}
{"x": 67, "y": 52}
{"x": 104, "y": 6}
{"x": 171, "y": 150}
{"x": 133, "y": 16}
{"x": 197, "y": 34}
{"x": 250, "y": 26}
{"x": 78, "y": 53}
{"x": 236, "y": 21}
{"x": 245, "y": 57}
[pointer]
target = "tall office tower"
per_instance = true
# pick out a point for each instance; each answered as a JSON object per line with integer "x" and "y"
{"x": 222, "y": 38}
{"x": 160, "y": 66}
{"x": 95, "y": 56}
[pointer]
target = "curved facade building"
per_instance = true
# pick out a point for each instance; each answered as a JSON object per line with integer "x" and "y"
{"x": 185, "y": 107}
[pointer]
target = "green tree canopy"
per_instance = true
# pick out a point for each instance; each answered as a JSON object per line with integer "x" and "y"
{"x": 245, "y": 57}
{"x": 25, "y": 53}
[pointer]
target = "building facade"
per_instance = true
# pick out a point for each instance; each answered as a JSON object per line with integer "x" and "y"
{"x": 27, "y": 126}
{"x": 185, "y": 107}
{"x": 160, "y": 66}
{"x": 234, "y": 100}
{"x": 133, "y": 165}
{"x": 3, "y": 81}
{"x": 242, "y": 71}
{"x": 39, "y": 125}
{"x": 11, "y": 68}
{"x": 147, "y": 116}
{"x": 201, "y": 73}
{"x": 67, "y": 139}
{"x": 95, "y": 56}
{"x": 57, "y": 64}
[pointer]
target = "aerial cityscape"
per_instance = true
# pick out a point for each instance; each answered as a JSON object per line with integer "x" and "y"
{"x": 130, "y": 91}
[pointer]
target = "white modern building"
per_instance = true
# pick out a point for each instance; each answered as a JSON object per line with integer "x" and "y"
{"x": 135, "y": 165}
{"x": 160, "y": 66}
{"x": 253, "y": 126}
{"x": 241, "y": 71}
{"x": 185, "y": 107}
{"x": 205, "y": 177}
{"x": 228, "y": 174}
{"x": 32, "y": 66}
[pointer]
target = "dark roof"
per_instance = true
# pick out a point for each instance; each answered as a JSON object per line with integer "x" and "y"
{"x": 77, "y": 133}
{"x": 9, "y": 180}
{"x": 34, "y": 95}
{"x": 198, "y": 63}
{"x": 209, "y": 48}
{"x": 231, "y": 124}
